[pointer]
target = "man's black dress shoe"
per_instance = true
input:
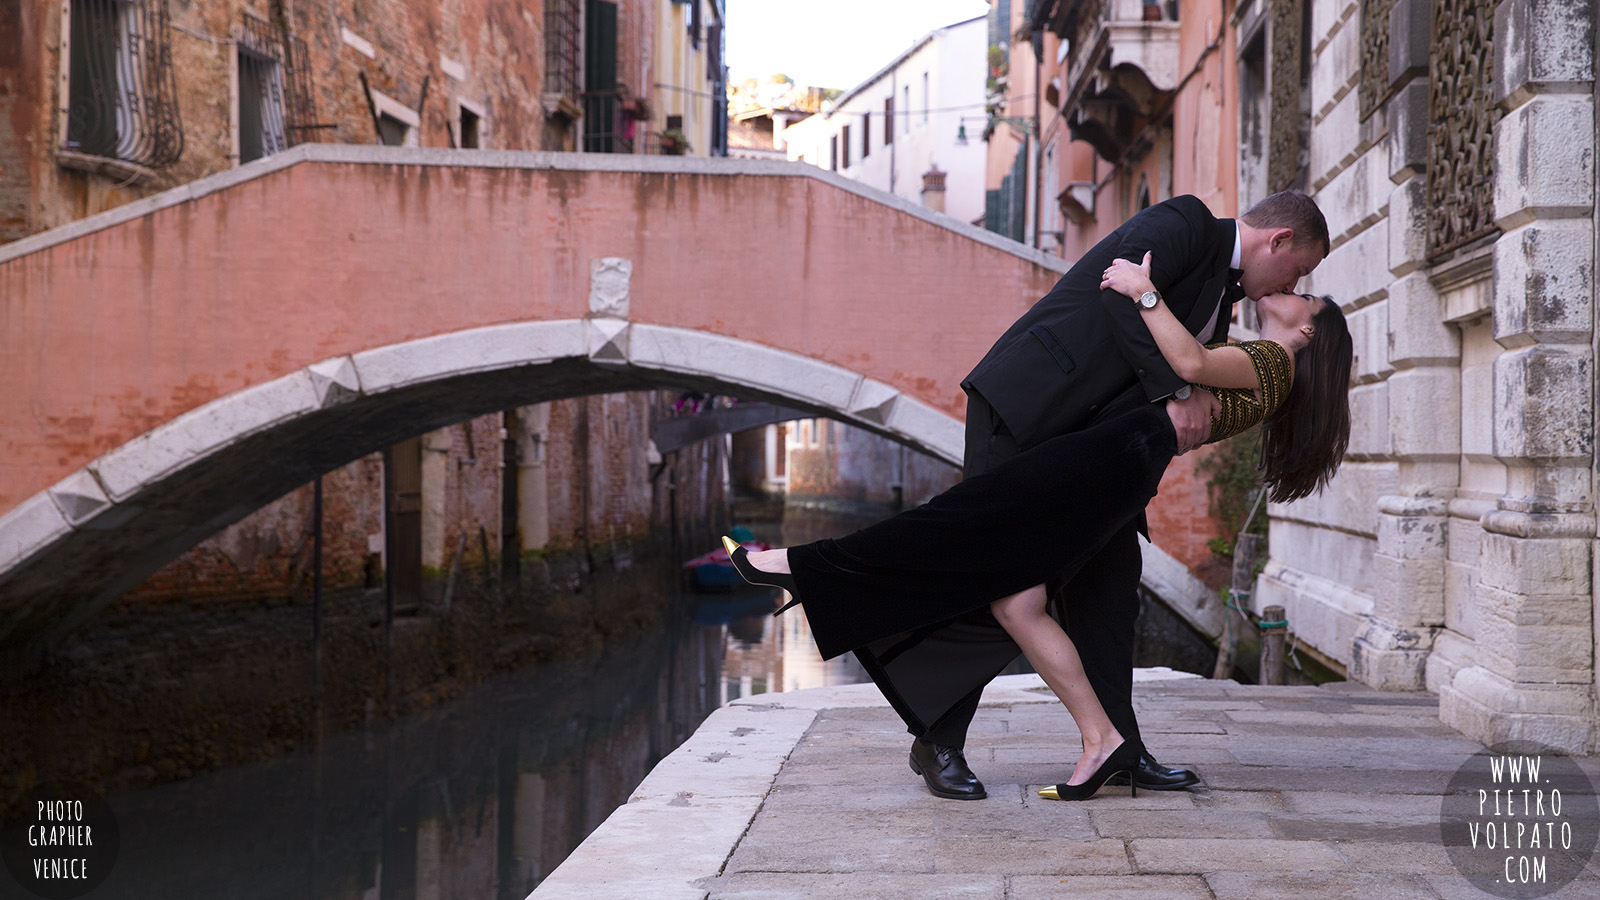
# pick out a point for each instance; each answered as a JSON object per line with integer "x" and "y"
{"x": 946, "y": 772}
{"x": 1153, "y": 776}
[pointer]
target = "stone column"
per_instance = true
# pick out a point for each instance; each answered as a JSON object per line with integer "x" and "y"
{"x": 533, "y": 477}
{"x": 1391, "y": 649}
{"x": 435, "y": 493}
{"x": 1534, "y": 677}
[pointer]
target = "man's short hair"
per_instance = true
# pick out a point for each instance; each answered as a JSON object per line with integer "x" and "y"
{"x": 1291, "y": 209}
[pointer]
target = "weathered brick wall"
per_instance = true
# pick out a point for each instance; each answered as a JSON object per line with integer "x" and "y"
{"x": 1181, "y": 522}
{"x": 500, "y": 45}
{"x": 604, "y": 497}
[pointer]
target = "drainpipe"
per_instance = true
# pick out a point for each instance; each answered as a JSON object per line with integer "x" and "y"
{"x": 1038, "y": 133}
{"x": 888, "y": 122}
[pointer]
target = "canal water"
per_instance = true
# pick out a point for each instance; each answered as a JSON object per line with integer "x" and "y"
{"x": 502, "y": 756}
{"x": 479, "y": 796}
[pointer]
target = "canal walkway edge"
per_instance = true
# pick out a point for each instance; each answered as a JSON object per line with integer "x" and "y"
{"x": 683, "y": 822}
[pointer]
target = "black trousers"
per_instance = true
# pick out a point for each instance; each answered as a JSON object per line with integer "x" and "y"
{"x": 911, "y": 595}
{"x": 1097, "y": 606}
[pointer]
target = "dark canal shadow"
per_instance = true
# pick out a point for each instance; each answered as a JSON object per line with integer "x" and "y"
{"x": 478, "y": 792}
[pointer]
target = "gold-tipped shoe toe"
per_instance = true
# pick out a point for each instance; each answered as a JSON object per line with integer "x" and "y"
{"x": 1049, "y": 793}
{"x": 729, "y": 544}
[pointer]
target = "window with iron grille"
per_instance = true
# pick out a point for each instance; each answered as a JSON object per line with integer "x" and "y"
{"x": 276, "y": 105}
{"x": 262, "y": 130}
{"x": 563, "y": 37}
{"x": 122, "y": 97}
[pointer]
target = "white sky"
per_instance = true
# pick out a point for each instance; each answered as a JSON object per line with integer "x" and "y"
{"x": 832, "y": 43}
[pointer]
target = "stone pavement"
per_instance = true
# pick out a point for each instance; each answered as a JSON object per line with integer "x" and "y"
{"x": 1320, "y": 792}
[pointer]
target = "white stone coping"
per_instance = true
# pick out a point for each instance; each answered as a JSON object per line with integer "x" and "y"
{"x": 684, "y": 820}
{"x": 1184, "y": 594}
{"x": 106, "y": 492}
{"x": 373, "y": 154}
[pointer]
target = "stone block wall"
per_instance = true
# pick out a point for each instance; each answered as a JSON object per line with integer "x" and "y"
{"x": 1454, "y": 551}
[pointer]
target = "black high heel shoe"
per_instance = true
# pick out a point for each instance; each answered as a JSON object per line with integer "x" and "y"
{"x": 747, "y": 571}
{"x": 1123, "y": 759}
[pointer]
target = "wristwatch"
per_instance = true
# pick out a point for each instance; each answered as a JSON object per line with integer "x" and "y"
{"x": 1148, "y": 300}
{"x": 1183, "y": 392}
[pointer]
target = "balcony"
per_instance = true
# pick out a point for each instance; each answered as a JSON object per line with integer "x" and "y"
{"x": 1123, "y": 66}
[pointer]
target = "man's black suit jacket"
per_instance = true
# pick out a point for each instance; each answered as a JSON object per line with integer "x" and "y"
{"x": 1079, "y": 347}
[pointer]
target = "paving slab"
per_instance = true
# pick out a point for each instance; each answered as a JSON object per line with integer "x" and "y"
{"x": 1110, "y": 887}
{"x": 1208, "y": 854}
{"x": 1299, "y": 886}
{"x": 1324, "y": 792}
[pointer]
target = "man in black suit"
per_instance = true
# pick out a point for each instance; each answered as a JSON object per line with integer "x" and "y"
{"x": 1067, "y": 358}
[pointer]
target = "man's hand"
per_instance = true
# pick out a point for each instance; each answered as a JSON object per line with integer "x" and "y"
{"x": 1191, "y": 418}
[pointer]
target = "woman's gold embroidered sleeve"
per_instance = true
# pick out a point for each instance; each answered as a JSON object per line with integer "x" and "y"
{"x": 1240, "y": 408}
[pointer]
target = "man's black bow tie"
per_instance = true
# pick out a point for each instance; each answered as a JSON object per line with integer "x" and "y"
{"x": 1234, "y": 275}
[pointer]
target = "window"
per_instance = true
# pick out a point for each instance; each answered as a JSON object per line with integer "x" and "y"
{"x": 833, "y": 152}
{"x": 122, "y": 97}
{"x": 469, "y": 126}
{"x": 844, "y": 147}
{"x": 563, "y": 60}
{"x": 925, "y": 101}
{"x": 866, "y": 134}
{"x": 602, "y": 106}
{"x": 888, "y": 120}
{"x": 397, "y": 123}
{"x": 392, "y": 132}
{"x": 261, "y": 96}
{"x": 905, "y": 124}
{"x": 694, "y": 23}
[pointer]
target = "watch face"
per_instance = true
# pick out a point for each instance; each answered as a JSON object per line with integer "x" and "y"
{"x": 1149, "y": 299}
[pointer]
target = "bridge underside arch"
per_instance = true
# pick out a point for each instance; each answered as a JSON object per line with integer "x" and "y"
{"x": 68, "y": 551}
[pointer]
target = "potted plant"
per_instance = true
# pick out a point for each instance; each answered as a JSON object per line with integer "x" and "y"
{"x": 674, "y": 143}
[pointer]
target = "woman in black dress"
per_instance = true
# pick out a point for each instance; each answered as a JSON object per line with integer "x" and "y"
{"x": 901, "y": 593}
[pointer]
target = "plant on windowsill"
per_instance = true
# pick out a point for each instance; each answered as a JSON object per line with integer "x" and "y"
{"x": 637, "y": 108}
{"x": 674, "y": 142}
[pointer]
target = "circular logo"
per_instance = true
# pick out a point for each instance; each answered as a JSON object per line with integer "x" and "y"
{"x": 1519, "y": 820}
{"x": 60, "y": 840}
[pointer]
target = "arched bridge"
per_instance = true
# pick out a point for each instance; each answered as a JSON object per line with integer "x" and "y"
{"x": 177, "y": 363}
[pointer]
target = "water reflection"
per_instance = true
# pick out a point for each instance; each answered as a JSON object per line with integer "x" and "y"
{"x": 479, "y": 796}
{"x": 767, "y": 655}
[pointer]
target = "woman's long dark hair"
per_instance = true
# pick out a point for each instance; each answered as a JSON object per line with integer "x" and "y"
{"x": 1303, "y": 444}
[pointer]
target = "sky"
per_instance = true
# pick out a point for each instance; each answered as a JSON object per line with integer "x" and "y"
{"x": 832, "y": 43}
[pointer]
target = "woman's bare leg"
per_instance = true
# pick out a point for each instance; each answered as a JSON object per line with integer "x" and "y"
{"x": 1056, "y": 659}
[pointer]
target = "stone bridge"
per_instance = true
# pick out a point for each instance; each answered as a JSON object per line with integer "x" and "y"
{"x": 177, "y": 363}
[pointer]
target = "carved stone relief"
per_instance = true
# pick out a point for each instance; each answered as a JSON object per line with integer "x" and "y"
{"x": 1374, "y": 55}
{"x": 1461, "y": 117}
{"x": 1286, "y": 26}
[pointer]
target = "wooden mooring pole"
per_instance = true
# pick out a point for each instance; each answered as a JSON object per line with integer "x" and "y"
{"x": 1273, "y": 629}
{"x": 1245, "y": 551}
